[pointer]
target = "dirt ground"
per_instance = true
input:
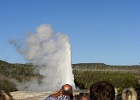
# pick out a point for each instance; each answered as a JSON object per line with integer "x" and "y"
{"x": 27, "y": 95}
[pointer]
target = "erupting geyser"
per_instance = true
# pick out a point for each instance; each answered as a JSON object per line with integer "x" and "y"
{"x": 52, "y": 52}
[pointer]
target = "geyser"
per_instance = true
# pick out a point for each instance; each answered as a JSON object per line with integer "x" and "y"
{"x": 53, "y": 52}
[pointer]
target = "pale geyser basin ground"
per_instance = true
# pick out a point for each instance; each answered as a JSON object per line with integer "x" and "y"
{"x": 30, "y": 95}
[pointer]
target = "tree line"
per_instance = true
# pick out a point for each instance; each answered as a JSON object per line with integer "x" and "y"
{"x": 85, "y": 74}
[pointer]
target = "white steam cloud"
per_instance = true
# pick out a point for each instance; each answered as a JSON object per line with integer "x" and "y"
{"x": 53, "y": 51}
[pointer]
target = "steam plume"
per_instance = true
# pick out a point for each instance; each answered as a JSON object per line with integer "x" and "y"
{"x": 53, "y": 51}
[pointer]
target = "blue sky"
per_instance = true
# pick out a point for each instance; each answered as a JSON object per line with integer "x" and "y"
{"x": 100, "y": 31}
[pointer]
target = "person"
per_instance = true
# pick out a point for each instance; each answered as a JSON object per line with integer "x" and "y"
{"x": 5, "y": 95}
{"x": 129, "y": 94}
{"x": 66, "y": 93}
{"x": 83, "y": 96}
{"x": 102, "y": 90}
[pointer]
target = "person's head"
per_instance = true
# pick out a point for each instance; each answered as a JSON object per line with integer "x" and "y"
{"x": 67, "y": 90}
{"x": 102, "y": 90}
{"x": 83, "y": 96}
{"x": 5, "y": 95}
{"x": 129, "y": 94}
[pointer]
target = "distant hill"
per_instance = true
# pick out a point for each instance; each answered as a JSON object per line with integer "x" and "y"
{"x": 84, "y": 74}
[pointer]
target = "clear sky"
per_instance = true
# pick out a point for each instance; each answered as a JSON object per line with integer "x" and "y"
{"x": 100, "y": 31}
